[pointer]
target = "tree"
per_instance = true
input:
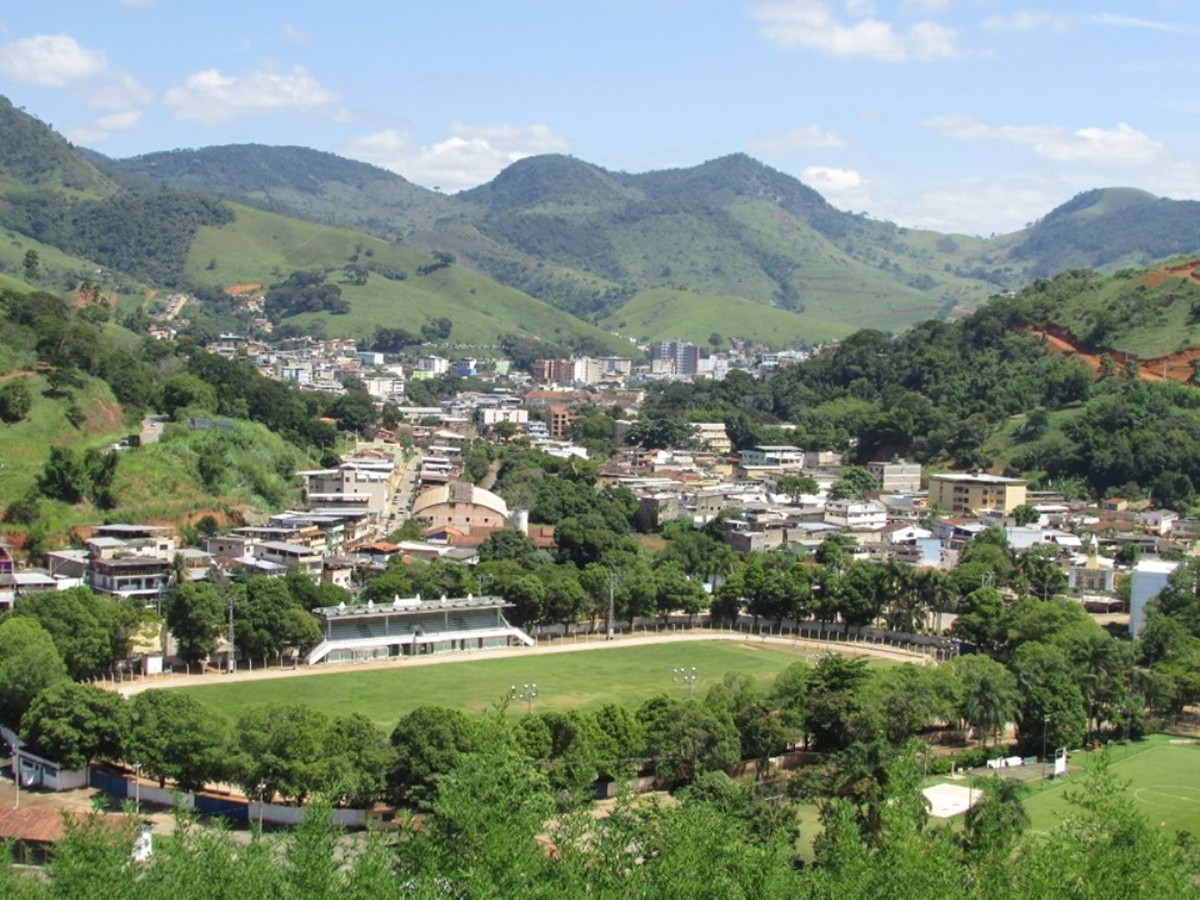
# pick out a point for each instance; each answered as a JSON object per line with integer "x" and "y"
{"x": 64, "y": 476}
{"x": 186, "y": 392}
{"x": 834, "y": 700}
{"x": 675, "y": 592}
{"x": 281, "y": 746}
{"x": 196, "y": 615}
{"x": 354, "y": 411}
{"x": 508, "y": 543}
{"x": 686, "y": 738}
{"x": 982, "y": 620}
{"x": 268, "y": 621}
{"x": 996, "y": 823}
{"x": 796, "y": 486}
{"x": 29, "y": 663}
{"x": 358, "y": 758}
{"x": 660, "y": 433}
{"x": 82, "y": 625}
{"x": 989, "y": 695}
{"x": 75, "y": 724}
{"x": 1025, "y": 514}
{"x": 172, "y": 735}
{"x": 429, "y": 742}
{"x": 1052, "y": 710}
{"x": 31, "y": 264}
{"x": 855, "y": 481}
{"x": 15, "y": 400}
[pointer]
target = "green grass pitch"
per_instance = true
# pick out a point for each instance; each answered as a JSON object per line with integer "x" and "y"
{"x": 1164, "y": 784}
{"x": 626, "y": 675}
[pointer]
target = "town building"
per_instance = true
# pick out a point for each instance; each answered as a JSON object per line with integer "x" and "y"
{"x": 896, "y": 476}
{"x": 958, "y": 494}
{"x": 1149, "y": 578}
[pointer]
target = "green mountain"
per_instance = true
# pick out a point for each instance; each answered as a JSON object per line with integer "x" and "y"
{"x": 730, "y": 246}
{"x": 1109, "y": 229}
{"x": 33, "y": 158}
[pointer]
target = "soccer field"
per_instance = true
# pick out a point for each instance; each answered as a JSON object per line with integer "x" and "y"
{"x": 626, "y": 675}
{"x": 1164, "y": 784}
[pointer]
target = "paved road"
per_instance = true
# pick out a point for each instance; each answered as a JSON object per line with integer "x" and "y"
{"x": 596, "y": 642}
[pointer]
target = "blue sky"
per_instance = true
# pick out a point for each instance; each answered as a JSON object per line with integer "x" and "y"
{"x": 958, "y": 115}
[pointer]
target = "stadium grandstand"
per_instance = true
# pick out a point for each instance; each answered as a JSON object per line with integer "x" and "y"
{"x": 412, "y": 627}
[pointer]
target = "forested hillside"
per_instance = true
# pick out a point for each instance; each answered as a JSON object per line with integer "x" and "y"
{"x": 72, "y": 383}
{"x": 984, "y": 392}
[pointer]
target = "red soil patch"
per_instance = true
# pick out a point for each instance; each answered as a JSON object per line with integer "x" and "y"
{"x": 1186, "y": 271}
{"x": 236, "y": 290}
{"x": 1173, "y": 367}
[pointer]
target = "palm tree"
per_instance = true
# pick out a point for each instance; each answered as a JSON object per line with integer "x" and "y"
{"x": 990, "y": 698}
{"x": 938, "y": 593}
{"x": 905, "y": 611}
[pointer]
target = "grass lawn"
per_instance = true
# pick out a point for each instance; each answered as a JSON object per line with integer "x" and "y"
{"x": 1163, "y": 777}
{"x": 627, "y": 675}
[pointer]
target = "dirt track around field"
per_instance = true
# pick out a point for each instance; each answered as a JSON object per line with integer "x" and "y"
{"x": 591, "y": 642}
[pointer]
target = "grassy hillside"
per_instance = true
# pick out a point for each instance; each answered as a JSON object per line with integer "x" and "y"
{"x": 262, "y": 247}
{"x": 24, "y": 445}
{"x": 663, "y": 314}
{"x": 157, "y": 483}
{"x": 1147, "y": 313}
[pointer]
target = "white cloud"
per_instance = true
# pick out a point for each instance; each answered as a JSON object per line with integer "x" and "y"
{"x": 844, "y": 188}
{"x": 924, "y": 7}
{"x": 1120, "y": 21}
{"x": 295, "y": 35}
{"x": 120, "y": 121}
{"x": 1028, "y": 20}
{"x": 50, "y": 60}
{"x": 136, "y": 2}
{"x": 116, "y": 90}
{"x": 805, "y": 138}
{"x": 210, "y": 97}
{"x": 811, "y": 25}
{"x": 1119, "y": 146}
{"x": 995, "y": 206}
{"x": 470, "y": 156}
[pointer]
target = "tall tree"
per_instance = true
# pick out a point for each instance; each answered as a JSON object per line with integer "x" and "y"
{"x": 172, "y": 735}
{"x": 196, "y": 615}
{"x": 29, "y": 663}
{"x": 75, "y": 724}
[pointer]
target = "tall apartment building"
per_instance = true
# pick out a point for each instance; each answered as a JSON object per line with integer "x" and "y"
{"x": 972, "y": 493}
{"x": 684, "y": 356}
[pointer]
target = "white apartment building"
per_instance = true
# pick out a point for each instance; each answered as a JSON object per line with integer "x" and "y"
{"x": 854, "y": 514}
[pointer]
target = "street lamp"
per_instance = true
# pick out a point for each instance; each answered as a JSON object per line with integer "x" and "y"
{"x": 526, "y": 692}
{"x": 687, "y": 676}
{"x": 262, "y": 789}
{"x": 137, "y": 788}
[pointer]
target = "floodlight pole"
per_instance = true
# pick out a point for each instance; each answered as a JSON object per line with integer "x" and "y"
{"x": 262, "y": 788}
{"x": 612, "y": 585}
{"x": 1045, "y": 729}
{"x": 527, "y": 692}
{"x": 232, "y": 662}
{"x": 688, "y": 677}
